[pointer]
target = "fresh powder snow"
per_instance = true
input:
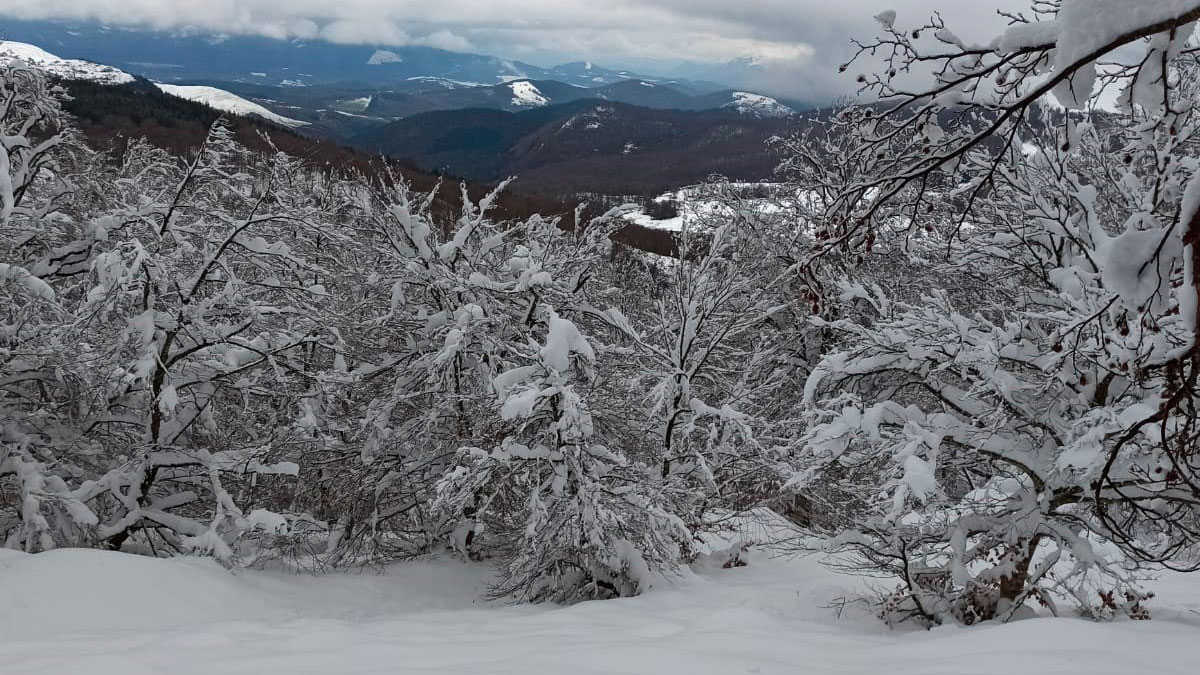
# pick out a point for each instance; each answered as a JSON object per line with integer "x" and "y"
{"x": 74, "y": 611}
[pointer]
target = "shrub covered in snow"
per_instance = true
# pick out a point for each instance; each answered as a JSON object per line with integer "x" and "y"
{"x": 1015, "y": 420}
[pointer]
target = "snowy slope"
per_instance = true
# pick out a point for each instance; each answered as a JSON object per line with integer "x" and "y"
{"x": 71, "y": 69}
{"x": 70, "y": 611}
{"x": 382, "y": 56}
{"x": 757, "y": 105}
{"x": 223, "y": 100}
{"x": 525, "y": 94}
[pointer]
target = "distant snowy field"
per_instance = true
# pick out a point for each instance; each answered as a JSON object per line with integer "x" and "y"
{"x": 701, "y": 208}
{"x": 85, "y": 612}
{"x": 219, "y": 99}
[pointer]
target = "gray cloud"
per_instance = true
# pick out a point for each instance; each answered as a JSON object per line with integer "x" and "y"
{"x": 803, "y": 40}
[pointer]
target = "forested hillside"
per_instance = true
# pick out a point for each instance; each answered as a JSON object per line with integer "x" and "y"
{"x": 587, "y": 146}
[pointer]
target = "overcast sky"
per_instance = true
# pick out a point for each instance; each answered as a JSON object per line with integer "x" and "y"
{"x": 805, "y": 38}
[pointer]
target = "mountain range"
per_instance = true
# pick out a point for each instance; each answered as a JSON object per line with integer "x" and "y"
{"x": 586, "y": 145}
{"x": 347, "y": 109}
{"x": 575, "y": 129}
{"x": 173, "y": 56}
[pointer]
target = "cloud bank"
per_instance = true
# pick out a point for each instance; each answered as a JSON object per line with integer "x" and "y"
{"x": 802, "y": 40}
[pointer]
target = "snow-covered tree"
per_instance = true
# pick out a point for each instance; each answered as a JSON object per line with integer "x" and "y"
{"x": 37, "y": 152}
{"x": 1020, "y": 423}
{"x": 712, "y": 344}
{"x": 574, "y": 515}
{"x": 176, "y": 373}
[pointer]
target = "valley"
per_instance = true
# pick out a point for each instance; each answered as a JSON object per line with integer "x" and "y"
{"x": 573, "y": 129}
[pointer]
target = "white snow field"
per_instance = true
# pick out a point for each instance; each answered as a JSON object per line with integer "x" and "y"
{"x": 85, "y": 612}
{"x": 526, "y": 94}
{"x": 219, "y": 99}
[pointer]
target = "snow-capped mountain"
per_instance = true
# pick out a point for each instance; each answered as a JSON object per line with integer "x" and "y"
{"x": 72, "y": 69}
{"x": 76, "y": 69}
{"x": 758, "y": 105}
{"x": 219, "y": 99}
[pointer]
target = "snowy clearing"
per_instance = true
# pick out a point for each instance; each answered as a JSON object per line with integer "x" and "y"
{"x": 184, "y": 616}
{"x": 220, "y": 99}
{"x": 357, "y": 104}
{"x": 702, "y": 206}
{"x": 382, "y": 56}
{"x": 526, "y": 94}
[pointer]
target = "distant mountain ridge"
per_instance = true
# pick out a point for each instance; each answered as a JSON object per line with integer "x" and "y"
{"x": 180, "y": 56}
{"x": 522, "y": 94}
{"x": 585, "y": 145}
{"x": 626, "y": 137}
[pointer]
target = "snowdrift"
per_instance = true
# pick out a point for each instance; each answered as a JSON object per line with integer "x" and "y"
{"x": 83, "y": 611}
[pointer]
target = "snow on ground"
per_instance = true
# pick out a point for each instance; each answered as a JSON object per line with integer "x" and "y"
{"x": 526, "y": 94}
{"x": 100, "y": 613}
{"x": 220, "y": 99}
{"x": 71, "y": 69}
{"x": 700, "y": 208}
{"x": 758, "y": 105}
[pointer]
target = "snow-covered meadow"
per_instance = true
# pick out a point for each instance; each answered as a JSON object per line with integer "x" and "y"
{"x": 701, "y": 207}
{"x": 76, "y": 611}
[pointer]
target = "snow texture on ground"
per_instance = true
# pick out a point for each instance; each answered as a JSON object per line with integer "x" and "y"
{"x": 99, "y": 613}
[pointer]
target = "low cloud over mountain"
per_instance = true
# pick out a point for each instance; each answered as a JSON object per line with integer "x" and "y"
{"x": 796, "y": 45}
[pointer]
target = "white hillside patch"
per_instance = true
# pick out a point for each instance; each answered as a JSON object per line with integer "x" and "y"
{"x": 699, "y": 208}
{"x": 526, "y": 94}
{"x": 220, "y": 99}
{"x": 357, "y": 104}
{"x": 71, "y": 69}
{"x": 382, "y": 56}
{"x": 445, "y": 82}
{"x": 77, "y": 611}
{"x": 758, "y": 105}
